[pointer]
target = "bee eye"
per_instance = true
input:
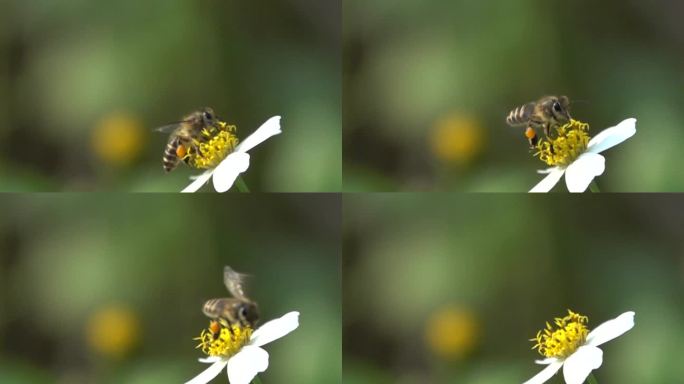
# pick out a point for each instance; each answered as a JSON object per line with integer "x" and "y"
{"x": 208, "y": 116}
{"x": 557, "y": 107}
{"x": 243, "y": 312}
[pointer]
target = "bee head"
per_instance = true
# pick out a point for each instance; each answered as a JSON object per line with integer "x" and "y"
{"x": 558, "y": 108}
{"x": 208, "y": 116}
{"x": 248, "y": 313}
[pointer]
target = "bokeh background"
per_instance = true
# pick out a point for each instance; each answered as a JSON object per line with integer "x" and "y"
{"x": 84, "y": 83}
{"x": 95, "y": 292}
{"x": 450, "y": 289}
{"x": 427, "y": 86}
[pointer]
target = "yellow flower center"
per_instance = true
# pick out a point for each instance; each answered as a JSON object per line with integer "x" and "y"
{"x": 225, "y": 342}
{"x": 570, "y": 333}
{"x": 569, "y": 141}
{"x": 214, "y": 144}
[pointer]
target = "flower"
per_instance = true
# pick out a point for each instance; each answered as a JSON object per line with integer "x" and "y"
{"x": 574, "y": 348}
{"x": 572, "y": 153}
{"x": 237, "y": 160}
{"x": 239, "y": 349}
{"x": 218, "y": 142}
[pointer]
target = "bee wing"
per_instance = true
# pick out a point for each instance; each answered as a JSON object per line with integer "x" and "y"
{"x": 235, "y": 282}
{"x": 168, "y": 128}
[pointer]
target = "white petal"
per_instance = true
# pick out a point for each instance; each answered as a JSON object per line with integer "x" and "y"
{"x": 546, "y": 361}
{"x": 246, "y": 364}
{"x": 612, "y": 136}
{"x": 580, "y": 364}
{"x": 611, "y": 329}
{"x": 582, "y": 171}
{"x": 549, "y": 181}
{"x": 270, "y": 128}
{"x": 209, "y": 373}
{"x": 198, "y": 182}
{"x": 546, "y": 171}
{"x": 545, "y": 374}
{"x": 229, "y": 169}
{"x": 209, "y": 359}
{"x": 275, "y": 329}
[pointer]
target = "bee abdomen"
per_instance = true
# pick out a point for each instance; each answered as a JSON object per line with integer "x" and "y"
{"x": 212, "y": 308}
{"x": 170, "y": 158}
{"x": 520, "y": 115}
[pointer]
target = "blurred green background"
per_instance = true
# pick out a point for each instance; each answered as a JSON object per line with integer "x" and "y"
{"x": 84, "y": 83}
{"x": 97, "y": 290}
{"x": 450, "y": 289}
{"x": 428, "y": 84}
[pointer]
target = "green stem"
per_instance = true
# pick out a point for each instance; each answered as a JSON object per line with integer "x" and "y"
{"x": 256, "y": 380}
{"x": 594, "y": 187}
{"x": 592, "y": 379}
{"x": 241, "y": 185}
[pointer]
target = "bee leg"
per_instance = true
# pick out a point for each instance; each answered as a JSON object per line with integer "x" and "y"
{"x": 225, "y": 324}
{"x": 531, "y": 136}
{"x": 190, "y": 148}
{"x": 195, "y": 149}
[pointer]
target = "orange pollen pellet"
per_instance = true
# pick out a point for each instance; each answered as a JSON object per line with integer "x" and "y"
{"x": 215, "y": 327}
{"x": 530, "y": 133}
{"x": 181, "y": 151}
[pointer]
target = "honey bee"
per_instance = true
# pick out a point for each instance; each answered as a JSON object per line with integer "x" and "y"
{"x": 546, "y": 113}
{"x": 229, "y": 311}
{"x": 183, "y": 134}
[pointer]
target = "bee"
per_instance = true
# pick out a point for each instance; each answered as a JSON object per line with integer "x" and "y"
{"x": 183, "y": 134}
{"x": 238, "y": 309}
{"x": 546, "y": 113}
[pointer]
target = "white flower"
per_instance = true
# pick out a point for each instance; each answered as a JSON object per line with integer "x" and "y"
{"x": 237, "y": 162}
{"x": 578, "y": 366}
{"x": 251, "y": 359}
{"x": 580, "y": 173}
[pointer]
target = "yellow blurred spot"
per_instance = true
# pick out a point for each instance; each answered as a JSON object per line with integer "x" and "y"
{"x": 452, "y": 333}
{"x": 457, "y": 139}
{"x": 118, "y": 139}
{"x": 113, "y": 331}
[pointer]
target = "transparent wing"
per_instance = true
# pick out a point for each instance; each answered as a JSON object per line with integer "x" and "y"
{"x": 168, "y": 128}
{"x": 235, "y": 282}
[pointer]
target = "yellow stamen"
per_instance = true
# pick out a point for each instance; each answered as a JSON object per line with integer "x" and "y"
{"x": 214, "y": 145}
{"x": 562, "y": 342}
{"x": 569, "y": 142}
{"x": 225, "y": 343}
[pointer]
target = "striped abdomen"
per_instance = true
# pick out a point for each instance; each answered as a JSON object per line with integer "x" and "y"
{"x": 171, "y": 156}
{"x": 520, "y": 115}
{"x": 215, "y": 308}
